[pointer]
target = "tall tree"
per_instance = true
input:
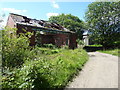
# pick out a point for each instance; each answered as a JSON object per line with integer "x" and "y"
{"x": 104, "y": 22}
{"x": 73, "y": 23}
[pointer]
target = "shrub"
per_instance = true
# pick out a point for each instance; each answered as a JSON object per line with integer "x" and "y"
{"x": 80, "y": 42}
{"x": 14, "y": 49}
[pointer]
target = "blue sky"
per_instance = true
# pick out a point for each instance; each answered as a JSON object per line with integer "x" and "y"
{"x": 43, "y": 10}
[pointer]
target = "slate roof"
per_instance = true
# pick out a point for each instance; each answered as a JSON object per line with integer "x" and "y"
{"x": 38, "y": 23}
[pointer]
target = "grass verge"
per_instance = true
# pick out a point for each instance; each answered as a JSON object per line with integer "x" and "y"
{"x": 115, "y": 52}
{"x": 95, "y": 45}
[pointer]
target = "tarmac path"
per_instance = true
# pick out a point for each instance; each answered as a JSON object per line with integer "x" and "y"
{"x": 101, "y": 71}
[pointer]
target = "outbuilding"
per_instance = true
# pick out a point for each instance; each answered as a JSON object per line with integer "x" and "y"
{"x": 50, "y": 33}
{"x": 86, "y": 37}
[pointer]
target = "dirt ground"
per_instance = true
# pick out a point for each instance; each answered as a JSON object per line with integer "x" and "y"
{"x": 101, "y": 71}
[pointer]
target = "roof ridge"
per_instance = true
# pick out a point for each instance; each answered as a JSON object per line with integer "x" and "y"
{"x": 17, "y": 14}
{"x": 44, "y": 23}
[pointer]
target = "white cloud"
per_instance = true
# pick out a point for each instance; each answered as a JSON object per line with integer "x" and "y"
{"x": 51, "y": 14}
{"x": 54, "y": 4}
{"x": 13, "y": 10}
{"x": 6, "y": 11}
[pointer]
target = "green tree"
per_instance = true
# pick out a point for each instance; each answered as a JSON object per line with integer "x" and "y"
{"x": 104, "y": 21}
{"x": 73, "y": 23}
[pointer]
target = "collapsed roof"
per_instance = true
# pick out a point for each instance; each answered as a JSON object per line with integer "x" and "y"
{"x": 38, "y": 23}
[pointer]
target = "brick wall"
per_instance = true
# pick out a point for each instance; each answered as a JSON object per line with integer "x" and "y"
{"x": 10, "y": 22}
{"x": 56, "y": 39}
{"x": 60, "y": 39}
{"x": 47, "y": 39}
{"x": 72, "y": 42}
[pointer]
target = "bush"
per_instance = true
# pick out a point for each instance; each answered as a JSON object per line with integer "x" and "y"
{"x": 80, "y": 42}
{"x": 14, "y": 49}
{"x": 55, "y": 71}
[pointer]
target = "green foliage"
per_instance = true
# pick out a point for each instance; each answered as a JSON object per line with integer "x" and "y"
{"x": 55, "y": 51}
{"x": 65, "y": 47}
{"x": 38, "y": 39}
{"x": 14, "y": 49}
{"x": 54, "y": 71}
{"x": 95, "y": 45}
{"x": 115, "y": 52}
{"x": 73, "y": 23}
{"x": 103, "y": 19}
{"x": 80, "y": 42}
{"x": 46, "y": 51}
{"x": 117, "y": 44}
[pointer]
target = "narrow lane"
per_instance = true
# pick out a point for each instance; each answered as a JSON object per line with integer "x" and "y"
{"x": 101, "y": 71}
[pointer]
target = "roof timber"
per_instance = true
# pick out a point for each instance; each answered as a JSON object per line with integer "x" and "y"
{"x": 49, "y": 30}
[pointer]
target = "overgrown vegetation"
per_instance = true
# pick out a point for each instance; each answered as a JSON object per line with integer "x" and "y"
{"x": 37, "y": 67}
{"x": 115, "y": 52}
{"x": 80, "y": 43}
{"x": 54, "y": 71}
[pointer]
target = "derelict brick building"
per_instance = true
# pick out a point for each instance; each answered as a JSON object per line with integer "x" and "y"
{"x": 50, "y": 33}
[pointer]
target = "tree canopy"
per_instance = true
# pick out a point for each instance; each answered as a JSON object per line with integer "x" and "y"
{"x": 73, "y": 23}
{"x": 104, "y": 21}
